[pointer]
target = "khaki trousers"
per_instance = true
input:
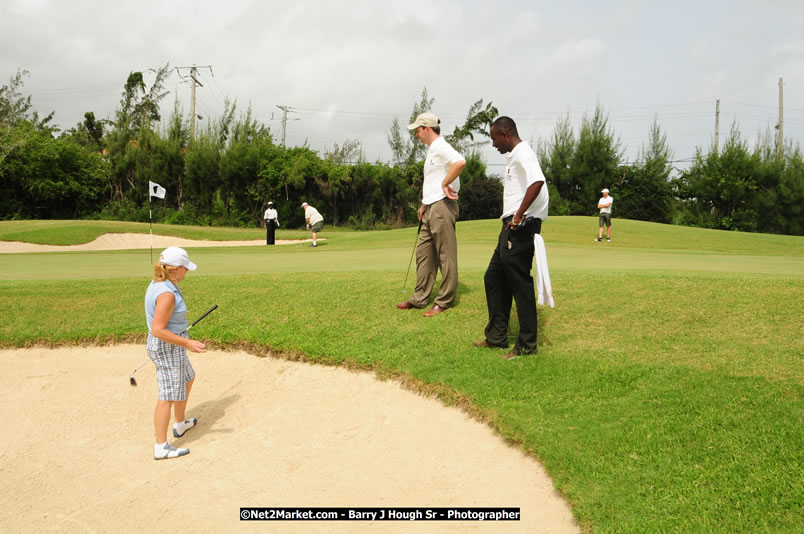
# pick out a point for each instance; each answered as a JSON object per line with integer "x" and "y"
{"x": 437, "y": 249}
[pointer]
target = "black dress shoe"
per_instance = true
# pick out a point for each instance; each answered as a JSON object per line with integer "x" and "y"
{"x": 514, "y": 354}
{"x": 486, "y": 345}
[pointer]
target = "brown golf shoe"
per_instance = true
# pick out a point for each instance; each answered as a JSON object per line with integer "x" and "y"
{"x": 405, "y": 305}
{"x": 435, "y": 310}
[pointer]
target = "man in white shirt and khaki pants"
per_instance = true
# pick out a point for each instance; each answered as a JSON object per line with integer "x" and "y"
{"x": 438, "y": 244}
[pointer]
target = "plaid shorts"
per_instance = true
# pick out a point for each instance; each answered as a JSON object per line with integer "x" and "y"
{"x": 173, "y": 369}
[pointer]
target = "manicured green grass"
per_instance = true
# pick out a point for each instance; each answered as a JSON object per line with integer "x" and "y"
{"x": 55, "y": 232}
{"x": 668, "y": 394}
{"x": 570, "y": 231}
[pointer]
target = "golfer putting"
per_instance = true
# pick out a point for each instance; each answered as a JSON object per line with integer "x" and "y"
{"x": 314, "y": 221}
{"x": 167, "y": 345}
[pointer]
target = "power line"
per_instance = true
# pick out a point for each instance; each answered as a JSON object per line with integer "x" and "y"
{"x": 193, "y": 83}
{"x": 215, "y": 81}
{"x": 218, "y": 100}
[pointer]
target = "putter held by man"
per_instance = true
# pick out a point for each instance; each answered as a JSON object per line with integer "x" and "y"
{"x": 410, "y": 261}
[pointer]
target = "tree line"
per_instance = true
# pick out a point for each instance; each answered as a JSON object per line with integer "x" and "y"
{"x": 226, "y": 175}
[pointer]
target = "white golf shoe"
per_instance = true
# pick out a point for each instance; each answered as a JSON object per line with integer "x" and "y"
{"x": 179, "y": 429}
{"x": 168, "y": 451}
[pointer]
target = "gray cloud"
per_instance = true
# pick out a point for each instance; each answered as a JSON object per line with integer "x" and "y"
{"x": 349, "y": 67}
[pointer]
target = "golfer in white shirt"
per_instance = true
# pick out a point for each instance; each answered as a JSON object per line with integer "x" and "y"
{"x": 438, "y": 245}
{"x": 604, "y": 204}
{"x": 314, "y": 220}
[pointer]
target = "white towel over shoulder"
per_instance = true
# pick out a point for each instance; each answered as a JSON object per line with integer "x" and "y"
{"x": 544, "y": 290}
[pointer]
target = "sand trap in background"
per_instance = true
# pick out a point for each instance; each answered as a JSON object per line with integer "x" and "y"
{"x": 131, "y": 241}
{"x": 76, "y": 450}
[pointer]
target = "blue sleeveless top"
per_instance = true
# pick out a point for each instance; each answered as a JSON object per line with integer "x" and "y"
{"x": 178, "y": 321}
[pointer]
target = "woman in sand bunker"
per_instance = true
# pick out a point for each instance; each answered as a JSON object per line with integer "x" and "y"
{"x": 168, "y": 342}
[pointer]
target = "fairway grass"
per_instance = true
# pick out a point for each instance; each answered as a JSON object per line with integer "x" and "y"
{"x": 572, "y": 231}
{"x": 668, "y": 393}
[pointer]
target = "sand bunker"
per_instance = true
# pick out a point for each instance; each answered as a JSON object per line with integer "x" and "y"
{"x": 76, "y": 449}
{"x": 131, "y": 241}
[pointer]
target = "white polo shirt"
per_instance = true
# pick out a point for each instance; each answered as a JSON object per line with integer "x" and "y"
{"x": 312, "y": 214}
{"x": 523, "y": 170}
{"x": 607, "y": 202}
{"x": 440, "y": 155}
{"x": 270, "y": 214}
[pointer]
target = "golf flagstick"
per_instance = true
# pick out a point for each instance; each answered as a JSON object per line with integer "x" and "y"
{"x": 131, "y": 378}
{"x": 154, "y": 190}
{"x": 410, "y": 262}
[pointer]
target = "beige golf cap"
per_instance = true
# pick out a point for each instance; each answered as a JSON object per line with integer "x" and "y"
{"x": 425, "y": 119}
{"x": 176, "y": 257}
{"x": 605, "y": 191}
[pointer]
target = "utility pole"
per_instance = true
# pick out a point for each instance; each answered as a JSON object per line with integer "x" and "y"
{"x": 717, "y": 122}
{"x": 284, "y": 120}
{"x": 780, "y": 126}
{"x": 193, "y": 72}
{"x": 193, "y": 82}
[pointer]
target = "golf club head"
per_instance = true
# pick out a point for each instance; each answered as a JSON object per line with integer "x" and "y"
{"x": 132, "y": 380}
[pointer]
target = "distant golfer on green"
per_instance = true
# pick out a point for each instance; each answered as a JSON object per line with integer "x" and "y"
{"x": 314, "y": 220}
{"x": 168, "y": 341}
{"x": 604, "y": 204}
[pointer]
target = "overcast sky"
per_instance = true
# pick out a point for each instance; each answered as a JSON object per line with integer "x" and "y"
{"x": 348, "y": 67}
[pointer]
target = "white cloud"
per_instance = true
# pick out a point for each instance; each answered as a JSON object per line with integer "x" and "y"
{"x": 579, "y": 51}
{"x": 27, "y": 7}
{"x": 788, "y": 48}
{"x": 372, "y": 59}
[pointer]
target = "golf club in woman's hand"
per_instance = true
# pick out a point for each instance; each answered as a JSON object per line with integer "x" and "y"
{"x": 133, "y": 381}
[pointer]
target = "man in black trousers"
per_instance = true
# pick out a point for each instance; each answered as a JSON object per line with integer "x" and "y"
{"x": 525, "y": 201}
{"x": 271, "y": 224}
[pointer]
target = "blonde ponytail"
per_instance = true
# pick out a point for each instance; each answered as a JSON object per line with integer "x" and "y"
{"x": 163, "y": 272}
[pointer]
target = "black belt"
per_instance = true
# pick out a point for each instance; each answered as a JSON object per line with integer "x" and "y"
{"x": 523, "y": 222}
